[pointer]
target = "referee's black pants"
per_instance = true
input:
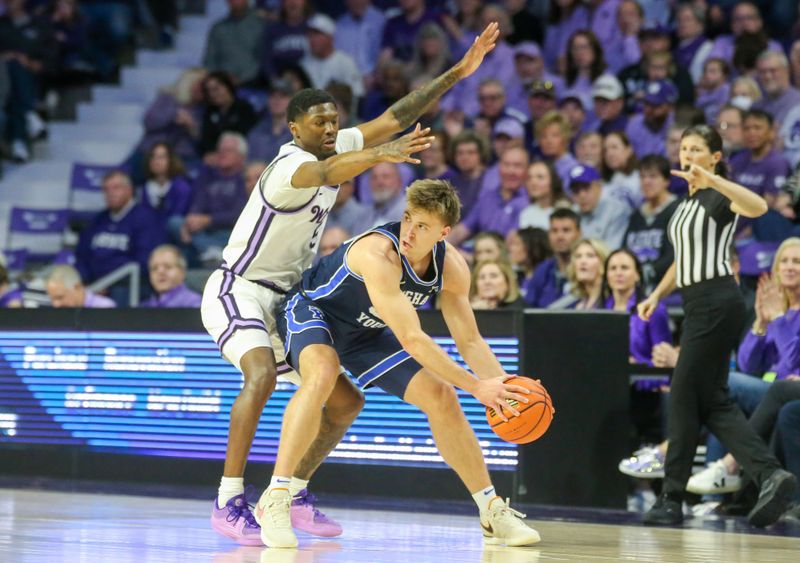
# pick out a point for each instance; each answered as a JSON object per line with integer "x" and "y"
{"x": 714, "y": 318}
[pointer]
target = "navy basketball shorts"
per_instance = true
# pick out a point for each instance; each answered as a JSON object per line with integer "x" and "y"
{"x": 373, "y": 356}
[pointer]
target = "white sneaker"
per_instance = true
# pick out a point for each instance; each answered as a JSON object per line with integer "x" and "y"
{"x": 646, "y": 463}
{"x": 19, "y": 151}
{"x": 714, "y": 479}
{"x": 503, "y": 525}
{"x": 273, "y": 515}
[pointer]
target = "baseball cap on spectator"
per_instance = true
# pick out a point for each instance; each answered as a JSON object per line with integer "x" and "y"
{"x": 582, "y": 176}
{"x": 321, "y": 23}
{"x": 654, "y": 30}
{"x": 509, "y": 127}
{"x": 657, "y": 92}
{"x": 544, "y": 88}
{"x": 608, "y": 87}
{"x": 282, "y": 86}
{"x": 528, "y": 49}
{"x": 571, "y": 97}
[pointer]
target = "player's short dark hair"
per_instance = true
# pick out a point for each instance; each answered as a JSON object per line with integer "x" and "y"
{"x": 565, "y": 213}
{"x": 435, "y": 196}
{"x": 656, "y": 162}
{"x": 305, "y": 99}
{"x": 760, "y": 114}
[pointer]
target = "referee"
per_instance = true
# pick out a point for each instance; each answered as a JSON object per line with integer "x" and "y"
{"x": 701, "y": 231}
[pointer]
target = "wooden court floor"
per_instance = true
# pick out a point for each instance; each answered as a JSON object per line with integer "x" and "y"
{"x": 37, "y": 526}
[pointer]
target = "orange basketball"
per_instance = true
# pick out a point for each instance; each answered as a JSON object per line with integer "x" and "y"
{"x": 534, "y": 417}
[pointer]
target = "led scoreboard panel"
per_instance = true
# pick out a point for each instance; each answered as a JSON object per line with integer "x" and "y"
{"x": 169, "y": 394}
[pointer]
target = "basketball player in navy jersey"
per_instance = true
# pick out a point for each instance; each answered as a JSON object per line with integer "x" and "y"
{"x": 358, "y": 305}
{"x": 274, "y": 240}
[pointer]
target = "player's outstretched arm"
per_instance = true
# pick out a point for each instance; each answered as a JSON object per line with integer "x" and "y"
{"x": 460, "y": 318}
{"x": 382, "y": 279}
{"x": 405, "y": 111}
{"x": 347, "y": 165}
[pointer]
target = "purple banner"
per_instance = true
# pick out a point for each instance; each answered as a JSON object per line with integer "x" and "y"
{"x": 38, "y": 221}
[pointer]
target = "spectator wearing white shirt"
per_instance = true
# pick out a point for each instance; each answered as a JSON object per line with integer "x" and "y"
{"x": 324, "y": 63}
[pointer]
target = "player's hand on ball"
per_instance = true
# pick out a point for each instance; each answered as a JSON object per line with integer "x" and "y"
{"x": 494, "y": 394}
{"x": 401, "y": 149}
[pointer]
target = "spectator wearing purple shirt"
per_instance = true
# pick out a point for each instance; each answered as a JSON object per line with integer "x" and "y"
{"x": 347, "y": 213}
{"x": 713, "y": 90}
{"x": 566, "y": 17}
{"x": 492, "y": 107}
{"x": 400, "y": 32}
{"x": 285, "y": 41}
{"x": 175, "y": 115}
{"x": 266, "y": 137}
{"x": 392, "y": 84}
{"x": 360, "y": 31}
{"x": 585, "y": 64}
{"x": 529, "y": 68}
{"x": 760, "y": 167}
{"x": 618, "y": 32}
{"x": 553, "y": 134}
{"x": 469, "y": 153}
{"x": 167, "y": 268}
{"x": 773, "y": 344}
{"x": 648, "y": 130}
{"x": 549, "y": 278}
{"x": 65, "y": 289}
{"x": 498, "y": 209}
{"x": 624, "y": 287}
{"x": 219, "y": 197}
{"x": 166, "y": 190}
{"x": 780, "y": 97}
{"x": 434, "y": 162}
{"x": 125, "y": 232}
{"x": 745, "y": 18}
{"x": 693, "y": 46}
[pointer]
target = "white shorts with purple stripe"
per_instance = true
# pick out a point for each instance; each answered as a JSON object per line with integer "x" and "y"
{"x": 237, "y": 313}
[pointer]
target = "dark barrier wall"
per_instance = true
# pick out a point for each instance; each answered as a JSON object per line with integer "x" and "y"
{"x": 143, "y": 395}
{"x": 582, "y": 359}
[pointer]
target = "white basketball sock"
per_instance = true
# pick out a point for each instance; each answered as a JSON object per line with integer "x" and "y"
{"x": 229, "y": 487}
{"x": 484, "y": 497}
{"x": 296, "y": 485}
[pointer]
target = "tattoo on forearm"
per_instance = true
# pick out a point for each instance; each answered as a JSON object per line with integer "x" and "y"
{"x": 408, "y": 108}
{"x": 329, "y": 435}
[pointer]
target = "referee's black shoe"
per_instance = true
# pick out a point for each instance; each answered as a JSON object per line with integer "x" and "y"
{"x": 665, "y": 512}
{"x": 773, "y": 500}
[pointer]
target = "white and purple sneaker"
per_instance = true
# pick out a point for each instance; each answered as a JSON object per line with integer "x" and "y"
{"x": 308, "y": 519}
{"x": 646, "y": 463}
{"x": 235, "y": 521}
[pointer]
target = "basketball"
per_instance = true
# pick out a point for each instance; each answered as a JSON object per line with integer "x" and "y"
{"x": 534, "y": 417}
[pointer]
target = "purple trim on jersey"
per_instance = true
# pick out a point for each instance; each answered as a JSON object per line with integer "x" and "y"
{"x": 256, "y": 238}
{"x": 239, "y": 324}
{"x": 270, "y": 285}
{"x": 235, "y": 320}
{"x": 283, "y": 367}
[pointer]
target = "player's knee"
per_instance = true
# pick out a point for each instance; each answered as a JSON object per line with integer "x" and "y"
{"x": 441, "y": 395}
{"x": 321, "y": 381}
{"x": 346, "y": 408}
{"x": 260, "y": 381}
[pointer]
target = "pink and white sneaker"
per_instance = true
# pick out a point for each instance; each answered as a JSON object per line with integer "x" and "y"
{"x": 308, "y": 519}
{"x": 235, "y": 521}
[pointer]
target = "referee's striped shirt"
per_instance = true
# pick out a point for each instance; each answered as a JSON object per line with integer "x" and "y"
{"x": 701, "y": 231}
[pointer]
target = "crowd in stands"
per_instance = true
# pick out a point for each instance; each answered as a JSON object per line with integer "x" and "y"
{"x": 49, "y": 44}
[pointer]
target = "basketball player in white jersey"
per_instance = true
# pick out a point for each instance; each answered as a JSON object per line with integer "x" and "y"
{"x": 273, "y": 241}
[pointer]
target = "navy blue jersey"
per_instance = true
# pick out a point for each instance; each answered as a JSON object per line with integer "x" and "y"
{"x": 342, "y": 295}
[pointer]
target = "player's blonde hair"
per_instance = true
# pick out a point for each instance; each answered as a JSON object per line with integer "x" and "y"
{"x": 435, "y": 196}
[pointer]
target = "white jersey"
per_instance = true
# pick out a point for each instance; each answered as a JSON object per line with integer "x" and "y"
{"x": 276, "y": 237}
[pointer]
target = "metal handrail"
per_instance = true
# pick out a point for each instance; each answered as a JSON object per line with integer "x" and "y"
{"x": 132, "y": 270}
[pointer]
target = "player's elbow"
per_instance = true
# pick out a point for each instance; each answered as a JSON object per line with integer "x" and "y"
{"x": 412, "y": 341}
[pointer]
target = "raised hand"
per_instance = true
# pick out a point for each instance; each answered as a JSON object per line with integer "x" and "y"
{"x": 494, "y": 392}
{"x": 483, "y": 44}
{"x": 646, "y": 308}
{"x": 401, "y": 149}
{"x": 773, "y": 303}
{"x": 698, "y": 177}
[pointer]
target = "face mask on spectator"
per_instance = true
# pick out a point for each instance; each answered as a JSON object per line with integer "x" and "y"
{"x": 741, "y": 102}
